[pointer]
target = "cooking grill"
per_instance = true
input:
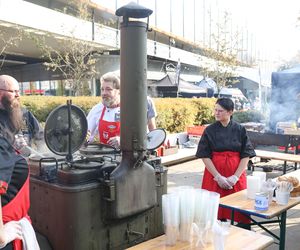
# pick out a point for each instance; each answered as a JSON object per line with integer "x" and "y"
{"x": 98, "y": 197}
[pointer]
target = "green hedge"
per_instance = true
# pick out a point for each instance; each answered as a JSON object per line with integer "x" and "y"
{"x": 174, "y": 114}
{"x": 248, "y": 116}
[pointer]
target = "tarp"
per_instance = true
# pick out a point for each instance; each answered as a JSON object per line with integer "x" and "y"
{"x": 184, "y": 89}
{"x": 210, "y": 85}
{"x": 254, "y": 74}
{"x": 285, "y": 96}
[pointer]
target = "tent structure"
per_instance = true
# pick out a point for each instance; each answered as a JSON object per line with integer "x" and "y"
{"x": 210, "y": 85}
{"x": 166, "y": 87}
{"x": 285, "y": 96}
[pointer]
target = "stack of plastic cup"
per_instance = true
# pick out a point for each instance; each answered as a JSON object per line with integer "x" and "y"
{"x": 170, "y": 207}
{"x": 200, "y": 218}
{"x": 187, "y": 208}
{"x": 262, "y": 176}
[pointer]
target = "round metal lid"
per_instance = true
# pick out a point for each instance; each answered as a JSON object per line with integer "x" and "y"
{"x": 98, "y": 149}
{"x": 156, "y": 138}
{"x": 60, "y": 132}
{"x": 37, "y": 158}
{"x": 87, "y": 164}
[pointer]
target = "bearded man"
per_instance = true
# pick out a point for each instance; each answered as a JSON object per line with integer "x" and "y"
{"x": 104, "y": 117}
{"x": 14, "y": 173}
{"x": 10, "y": 111}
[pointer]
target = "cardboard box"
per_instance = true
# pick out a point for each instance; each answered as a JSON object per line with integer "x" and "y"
{"x": 195, "y": 130}
{"x": 170, "y": 151}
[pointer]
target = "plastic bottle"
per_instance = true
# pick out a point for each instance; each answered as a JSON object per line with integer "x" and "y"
{"x": 177, "y": 143}
{"x": 168, "y": 144}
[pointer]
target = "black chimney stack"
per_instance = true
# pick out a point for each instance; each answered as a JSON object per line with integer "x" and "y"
{"x": 134, "y": 178}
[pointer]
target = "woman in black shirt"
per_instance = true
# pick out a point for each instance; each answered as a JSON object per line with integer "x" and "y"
{"x": 225, "y": 150}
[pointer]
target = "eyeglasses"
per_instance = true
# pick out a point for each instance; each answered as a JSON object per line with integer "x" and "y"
{"x": 11, "y": 91}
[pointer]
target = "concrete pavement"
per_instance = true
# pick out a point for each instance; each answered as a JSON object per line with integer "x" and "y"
{"x": 191, "y": 173}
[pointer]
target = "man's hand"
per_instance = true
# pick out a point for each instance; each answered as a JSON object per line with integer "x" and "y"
{"x": 114, "y": 142}
{"x": 87, "y": 138}
{"x": 222, "y": 182}
{"x": 12, "y": 230}
{"x": 232, "y": 180}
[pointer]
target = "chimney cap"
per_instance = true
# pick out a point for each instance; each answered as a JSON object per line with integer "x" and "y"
{"x": 133, "y": 10}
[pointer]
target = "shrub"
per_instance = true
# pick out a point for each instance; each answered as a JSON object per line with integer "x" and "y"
{"x": 205, "y": 108}
{"x": 41, "y": 106}
{"x": 248, "y": 116}
{"x": 174, "y": 114}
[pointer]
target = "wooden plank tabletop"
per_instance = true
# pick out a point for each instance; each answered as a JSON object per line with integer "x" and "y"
{"x": 295, "y": 173}
{"x": 184, "y": 154}
{"x": 239, "y": 201}
{"x": 237, "y": 239}
{"x": 277, "y": 155}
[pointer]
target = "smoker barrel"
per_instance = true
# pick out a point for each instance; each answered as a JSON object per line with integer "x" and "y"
{"x": 134, "y": 179}
{"x": 115, "y": 203}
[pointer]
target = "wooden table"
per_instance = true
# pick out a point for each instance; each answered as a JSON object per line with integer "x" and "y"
{"x": 278, "y": 156}
{"x": 242, "y": 239}
{"x": 239, "y": 202}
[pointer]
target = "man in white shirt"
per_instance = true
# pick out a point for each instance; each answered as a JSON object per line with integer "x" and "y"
{"x": 104, "y": 118}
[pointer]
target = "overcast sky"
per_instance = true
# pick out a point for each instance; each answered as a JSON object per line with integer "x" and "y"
{"x": 273, "y": 22}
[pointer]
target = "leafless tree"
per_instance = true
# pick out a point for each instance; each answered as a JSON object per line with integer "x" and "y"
{"x": 74, "y": 58}
{"x": 8, "y": 42}
{"x": 224, "y": 51}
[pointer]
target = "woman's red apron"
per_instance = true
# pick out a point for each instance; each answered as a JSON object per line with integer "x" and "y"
{"x": 107, "y": 129}
{"x": 226, "y": 164}
{"x": 17, "y": 208}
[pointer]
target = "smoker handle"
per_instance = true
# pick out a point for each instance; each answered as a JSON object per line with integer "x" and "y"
{"x": 111, "y": 197}
{"x": 48, "y": 159}
{"x": 159, "y": 179}
{"x": 131, "y": 232}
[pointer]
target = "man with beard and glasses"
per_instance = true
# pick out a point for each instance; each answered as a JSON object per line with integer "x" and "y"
{"x": 10, "y": 110}
{"x": 104, "y": 117}
{"x": 15, "y": 226}
{"x": 22, "y": 124}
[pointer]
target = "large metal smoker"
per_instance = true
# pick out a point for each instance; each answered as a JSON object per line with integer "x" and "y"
{"x": 102, "y": 198}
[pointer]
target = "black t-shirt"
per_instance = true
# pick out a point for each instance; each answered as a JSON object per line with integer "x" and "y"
{"x": 13, "y": 171}
{"x": 31, "y": 127}
{"x": 217, "y": 138}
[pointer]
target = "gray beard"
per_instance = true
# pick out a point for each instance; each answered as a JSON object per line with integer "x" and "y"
{"x": 15, "y": 114}
{"x": 108, "y": 103}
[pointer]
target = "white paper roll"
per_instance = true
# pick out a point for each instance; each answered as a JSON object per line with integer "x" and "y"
{"x": 253, "y": 186}
{"x": 261, "y": 175}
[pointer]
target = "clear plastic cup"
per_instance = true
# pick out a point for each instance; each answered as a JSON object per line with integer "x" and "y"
{"x": 170, "y": 207}
{"x": 282, "y": 198}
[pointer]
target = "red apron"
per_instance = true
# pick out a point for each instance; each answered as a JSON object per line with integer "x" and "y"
{"x": 226, "y": 164}
{"x": 17, "y": 208}
{"x": 107, "y": 129}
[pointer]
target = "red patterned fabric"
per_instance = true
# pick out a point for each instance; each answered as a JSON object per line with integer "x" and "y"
{"x": 226, "y": 164}
{"x": 17, "y": 208}
{"x": 3, "y": 187}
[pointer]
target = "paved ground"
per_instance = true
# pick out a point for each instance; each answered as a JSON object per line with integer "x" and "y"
{"x": 191, "y": 173}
